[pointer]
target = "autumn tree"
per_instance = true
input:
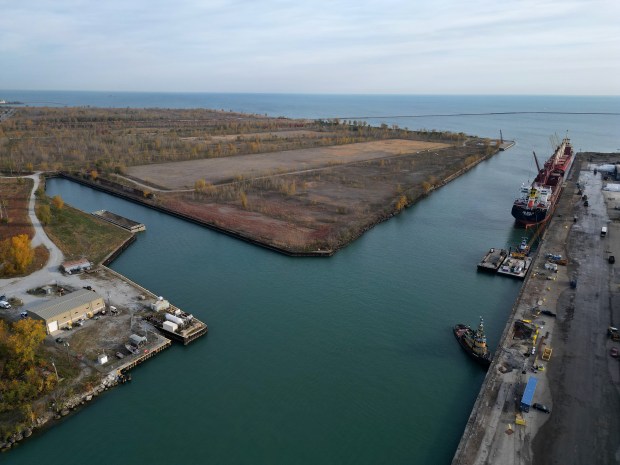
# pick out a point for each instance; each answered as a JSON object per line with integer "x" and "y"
{"x": 16, "y": 253}
{"x": 44, "y": 214}
{"x": 401, "y": 203}
{"x": 24, "y": 376}
{"x": 58, "y": 202}
{"x": 26, "y": 336}
{"x": 200, "y": 185}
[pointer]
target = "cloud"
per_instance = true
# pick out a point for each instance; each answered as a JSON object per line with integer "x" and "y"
{"x": 319, "y": 46}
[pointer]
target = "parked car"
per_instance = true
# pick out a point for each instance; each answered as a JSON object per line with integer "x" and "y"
{"x": 24, "y": 314}
{"x": 4, "y": 304}
{"x": 613, "y": 352}
{"x": 60, "y": 340}
{"x": 541, "y": 407}
{"x": 3, "y": 297}
{"x": 612, "y": 259}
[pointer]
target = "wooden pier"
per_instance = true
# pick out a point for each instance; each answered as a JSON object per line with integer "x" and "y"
{"x": 121, "y": 221}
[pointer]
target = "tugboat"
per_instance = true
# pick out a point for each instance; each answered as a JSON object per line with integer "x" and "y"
{"x": 474, "y": 342}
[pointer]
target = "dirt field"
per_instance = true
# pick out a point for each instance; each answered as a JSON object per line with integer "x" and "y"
{"x": 322, "y": 209}
{"x": 183, "y": 175}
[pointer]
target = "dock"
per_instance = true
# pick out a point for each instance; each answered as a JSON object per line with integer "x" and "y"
{"x": 186, "y": 327}
{"x": 556, "y": 332}
{"x": 492, "y": 260}
{"x": 148, "y": 352}
{"x": 188, "y": 334}
{"x": 505, "y": 145}
{"x": 121, "y": 221}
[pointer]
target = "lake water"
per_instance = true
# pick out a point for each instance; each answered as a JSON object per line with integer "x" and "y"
{"x": 346, "y": 360}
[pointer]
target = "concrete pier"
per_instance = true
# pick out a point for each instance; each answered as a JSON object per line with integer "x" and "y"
{"x": 569, "y": 354}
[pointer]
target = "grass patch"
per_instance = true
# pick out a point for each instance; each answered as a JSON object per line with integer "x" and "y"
{"x": 80, "y": 234}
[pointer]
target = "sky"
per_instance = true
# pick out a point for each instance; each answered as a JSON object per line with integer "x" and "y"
{"x": 548, "y": 47}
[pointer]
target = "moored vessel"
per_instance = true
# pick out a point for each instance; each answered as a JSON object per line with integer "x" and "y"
{"x": 474, "y": 342}
{"x": 537, "y": 201}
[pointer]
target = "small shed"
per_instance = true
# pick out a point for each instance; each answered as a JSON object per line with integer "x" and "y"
{"x": 528, "y": 394}
{"x": 102, "y": 359}
{"x": 76, "y": 266}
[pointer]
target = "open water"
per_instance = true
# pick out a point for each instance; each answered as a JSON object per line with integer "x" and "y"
{"x": 346, "y": 360}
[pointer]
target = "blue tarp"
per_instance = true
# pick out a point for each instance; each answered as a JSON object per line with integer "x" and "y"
{"x": 528, "y": 394}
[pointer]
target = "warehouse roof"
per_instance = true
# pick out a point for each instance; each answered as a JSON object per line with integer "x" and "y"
{"x": 52, "y": 308}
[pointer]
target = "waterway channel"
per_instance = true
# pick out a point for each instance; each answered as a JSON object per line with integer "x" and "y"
{"x": 342, "y": 360}
{"x": 346, "y": 360}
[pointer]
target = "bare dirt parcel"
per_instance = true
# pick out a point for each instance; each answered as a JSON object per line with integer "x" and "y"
{"x": 307, "y": 200}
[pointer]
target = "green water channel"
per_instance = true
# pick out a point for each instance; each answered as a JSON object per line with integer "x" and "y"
{"x": 346, "y": 360}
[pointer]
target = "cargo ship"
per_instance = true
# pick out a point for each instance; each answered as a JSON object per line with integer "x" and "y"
{"x": 537, "y": 201}
{"x": 474, "y": 343}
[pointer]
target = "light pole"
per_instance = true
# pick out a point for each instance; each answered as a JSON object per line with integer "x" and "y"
{"x": 55, "y": 371}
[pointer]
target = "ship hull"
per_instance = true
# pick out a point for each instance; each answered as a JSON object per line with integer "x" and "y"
{"x": 551, "y": 177}
{"x": 485, "y": 360}
{"x": 529, "y": 217}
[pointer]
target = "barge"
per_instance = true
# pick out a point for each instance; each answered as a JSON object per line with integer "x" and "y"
{"x": 492, "y": 260}
{"x": 121, "y": 221}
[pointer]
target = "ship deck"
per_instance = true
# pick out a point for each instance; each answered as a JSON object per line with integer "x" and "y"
{"x": 492, "y": 260}
{"x": 515, "y": 267}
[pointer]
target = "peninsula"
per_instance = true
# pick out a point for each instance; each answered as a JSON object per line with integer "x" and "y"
{"x": 301, "y": 187}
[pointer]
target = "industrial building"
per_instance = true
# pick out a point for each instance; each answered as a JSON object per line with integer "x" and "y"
{"x": 76, "y": 266}
{"x": 64, "y": 311}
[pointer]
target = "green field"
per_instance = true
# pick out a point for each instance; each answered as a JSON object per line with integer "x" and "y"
{"x": 80, "y": 234}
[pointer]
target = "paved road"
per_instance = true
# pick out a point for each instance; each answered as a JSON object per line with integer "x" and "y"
{"x": 49, "y": 273}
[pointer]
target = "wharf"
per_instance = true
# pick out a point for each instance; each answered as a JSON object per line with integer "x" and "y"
{"x": 190, "y": 331}
{"x": 148, "y": 352}
{"x": 492, "y": 260}
{"x": 557, "y": 333}
{"x": 505, "y": 145}
{"x": 192, "y": 328}
{"x": 125, "y": 223}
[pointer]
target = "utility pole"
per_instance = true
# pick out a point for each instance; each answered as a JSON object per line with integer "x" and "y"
{"x": 55, "y": 371}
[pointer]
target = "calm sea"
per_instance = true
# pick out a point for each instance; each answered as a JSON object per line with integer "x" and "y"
{"x": 347, "y": 360}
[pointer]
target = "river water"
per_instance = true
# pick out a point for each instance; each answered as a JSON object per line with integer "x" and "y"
{"x": 346, "y": 360}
